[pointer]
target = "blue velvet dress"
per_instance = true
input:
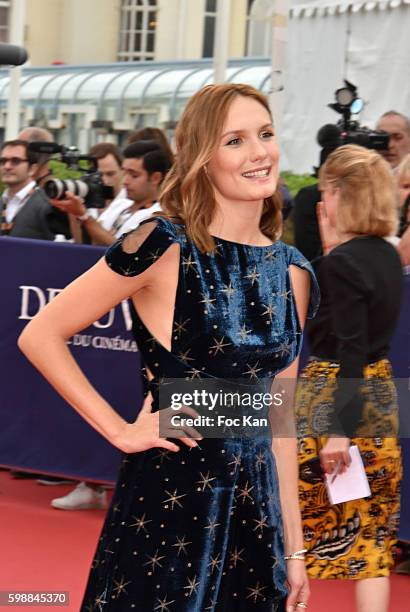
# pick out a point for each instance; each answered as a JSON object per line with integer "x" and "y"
{"x": 201, "y": 530}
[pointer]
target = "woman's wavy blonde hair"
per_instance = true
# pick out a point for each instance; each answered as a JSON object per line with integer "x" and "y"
{"x": 367, "y": 203}
{"x": 187, "y": 194}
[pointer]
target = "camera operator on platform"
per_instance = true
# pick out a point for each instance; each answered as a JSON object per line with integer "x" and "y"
{"x": 144, "y": 167}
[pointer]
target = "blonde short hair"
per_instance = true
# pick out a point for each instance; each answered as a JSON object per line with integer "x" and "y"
{"x": 367, "y": 191}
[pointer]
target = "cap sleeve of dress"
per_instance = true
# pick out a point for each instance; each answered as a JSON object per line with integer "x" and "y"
{"x": 295, "y": 258}
{"x": 136, "y": 251}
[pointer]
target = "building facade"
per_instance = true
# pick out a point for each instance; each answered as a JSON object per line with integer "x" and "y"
{"x": 104, "y": 31}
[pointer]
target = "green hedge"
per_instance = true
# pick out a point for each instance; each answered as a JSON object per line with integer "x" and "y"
{"x": 294, "y": 182}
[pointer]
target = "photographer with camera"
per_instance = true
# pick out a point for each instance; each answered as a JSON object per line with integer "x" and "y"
{"x": 38, "y": 134}
{"x": 144, "y": 167}
{"x": 109, "y": 161}
{"x": 25, "y": 209}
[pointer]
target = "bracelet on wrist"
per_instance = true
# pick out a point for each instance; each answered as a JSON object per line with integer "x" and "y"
{"x": 83, "y": 217}
{"x": 298, "y": 554}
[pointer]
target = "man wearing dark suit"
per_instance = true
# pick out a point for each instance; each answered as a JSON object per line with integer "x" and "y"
{"x": 25, "y": 208}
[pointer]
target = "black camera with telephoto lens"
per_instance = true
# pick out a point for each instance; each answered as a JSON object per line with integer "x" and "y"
{"x": 89, "y": 187}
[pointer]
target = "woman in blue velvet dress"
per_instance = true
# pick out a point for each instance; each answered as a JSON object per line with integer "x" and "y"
{"x": 196, "y": 524}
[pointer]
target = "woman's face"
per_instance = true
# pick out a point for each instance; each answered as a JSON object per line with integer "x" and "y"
{"x": 244, "y": 166}
{"x": 404, "y": 188}
{"x": 330, "y": 198}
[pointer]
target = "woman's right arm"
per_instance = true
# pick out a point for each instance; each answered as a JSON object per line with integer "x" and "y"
{"x": 43, "y": 341}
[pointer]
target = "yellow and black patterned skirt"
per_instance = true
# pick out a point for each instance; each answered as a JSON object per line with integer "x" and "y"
{"x": 353, "y": 540}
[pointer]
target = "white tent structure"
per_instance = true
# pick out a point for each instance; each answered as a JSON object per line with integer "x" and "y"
{"x": 366, "y": 42}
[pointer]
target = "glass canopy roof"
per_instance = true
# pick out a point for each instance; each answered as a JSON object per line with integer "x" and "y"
{"x": 128, "y": 84}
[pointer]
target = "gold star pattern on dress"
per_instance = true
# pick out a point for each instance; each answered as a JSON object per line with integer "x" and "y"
{"x": 236, "y": 461}
{"x": 219, "y": 346}
{"x": 228, "y": 290}
{"x": 180, "y": 328}
{"x": 243, "y": 332}
{"x": 181, "y": 545}
{"x": 256, "y": 592}
{"x": 235, "y": 556}
{"x": 120, "y": 586}
{"x": 99, "y": 602}
{"x": 140, "y": 523}
{"x": 215, "y": 562}
{"x": 261, "y": 523}
{"x": 163, "y": 605}
{"x": 192, "y": 585}
{"x": 270, "y": 255}
{"x": 184, "y": 356}
{"x": 269, "y": 310}
{"x": 207, "y": 301}
{"x": 253, "y": 276}
{"x": 212, "y": 526}
{"x": 212, "y": 605}
{"x": 162, "y": 454}
{"x": 127, "y": 271}
{"x": 174, "y": 498}
{"x": 285, "y": 294}
{"x": 284, "y": 348}
{"x": 189, "y": 263}
{"x": 154, "y": 255}
{"x": 245, "y": 493}
{"x": 205, "y": 481}
{"x": 154, "y": 561}
{"x": 217, "y": 250}
{"x": 194, "y": 373}
{"x": 253, "y": 370}
{"x": 260, "y": 460}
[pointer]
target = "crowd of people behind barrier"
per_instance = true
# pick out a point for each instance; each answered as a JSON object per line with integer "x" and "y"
{"x": 27, "y": 212}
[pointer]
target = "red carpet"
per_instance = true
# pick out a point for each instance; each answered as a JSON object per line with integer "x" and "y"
{"x": 43, "y": 549}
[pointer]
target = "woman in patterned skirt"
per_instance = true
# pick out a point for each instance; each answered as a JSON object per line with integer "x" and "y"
{"x": 346, "y": 393}
{"x": 196, "y": 526}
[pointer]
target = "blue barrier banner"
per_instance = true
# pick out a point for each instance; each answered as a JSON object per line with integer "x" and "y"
{"x": 400, "y": 358}
{"x": 39, "y": 430}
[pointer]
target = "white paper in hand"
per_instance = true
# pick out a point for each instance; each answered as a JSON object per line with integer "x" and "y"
{"x": 352, "y": 484}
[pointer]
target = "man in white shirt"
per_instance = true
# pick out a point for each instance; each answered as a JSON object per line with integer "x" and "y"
{"x": 144, "y": 168}
{"x": 25, "y": 208}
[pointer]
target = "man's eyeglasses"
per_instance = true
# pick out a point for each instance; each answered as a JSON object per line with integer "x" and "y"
{"x": 14, "y": 161}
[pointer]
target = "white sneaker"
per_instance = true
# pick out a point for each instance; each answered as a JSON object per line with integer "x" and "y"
{"x": 82, "y": 497}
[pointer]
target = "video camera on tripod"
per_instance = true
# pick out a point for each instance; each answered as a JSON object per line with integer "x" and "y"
{"x": 348, "y": 131}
